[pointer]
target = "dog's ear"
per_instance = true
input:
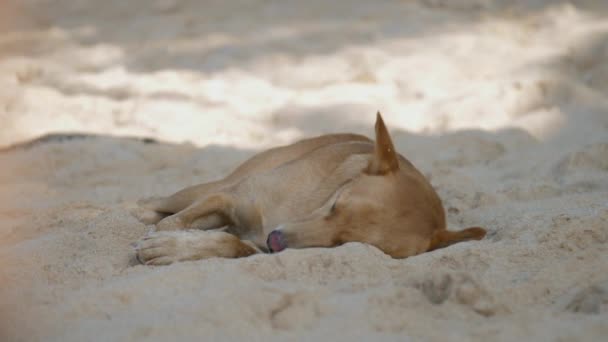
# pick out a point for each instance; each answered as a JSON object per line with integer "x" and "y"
{"x": 385, "y": 158}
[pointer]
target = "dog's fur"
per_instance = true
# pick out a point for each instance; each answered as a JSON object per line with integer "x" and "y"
{"x": 319, "y": 192}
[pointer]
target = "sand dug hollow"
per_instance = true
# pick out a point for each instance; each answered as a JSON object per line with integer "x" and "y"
{"x": 502, "y": 104}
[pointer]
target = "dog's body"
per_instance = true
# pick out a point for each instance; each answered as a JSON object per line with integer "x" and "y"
{"x": 319, "y": 192}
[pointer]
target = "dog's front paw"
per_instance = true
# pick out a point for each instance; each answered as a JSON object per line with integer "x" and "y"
{"x": 162, "y": 248}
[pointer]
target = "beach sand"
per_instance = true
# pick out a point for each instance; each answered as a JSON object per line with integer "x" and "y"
{"x": 503, "y": 105}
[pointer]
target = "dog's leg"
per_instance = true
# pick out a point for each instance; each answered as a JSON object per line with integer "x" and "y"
{"x": 148, "y": 216}
{"x": 152, "y": 210}
{"x": 163, "y": 248}
{"x": 213, "y": 211}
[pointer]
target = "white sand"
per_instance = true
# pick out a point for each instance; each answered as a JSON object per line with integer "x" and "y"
{"x": 503, "y": 104}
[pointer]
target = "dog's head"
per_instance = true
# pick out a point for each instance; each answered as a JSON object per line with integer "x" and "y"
{"x": 389, "y": 204}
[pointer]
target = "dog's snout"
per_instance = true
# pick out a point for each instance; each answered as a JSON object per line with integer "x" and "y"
{"x": 276, "y": 241}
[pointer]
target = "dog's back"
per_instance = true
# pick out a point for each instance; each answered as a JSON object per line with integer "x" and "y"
{"x": 278, "y": 156}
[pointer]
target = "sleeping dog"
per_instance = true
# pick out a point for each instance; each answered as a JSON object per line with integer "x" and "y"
{"x": 319, "y": 192}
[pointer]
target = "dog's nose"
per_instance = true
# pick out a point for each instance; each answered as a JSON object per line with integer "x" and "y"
{"x": 276, "y": 241}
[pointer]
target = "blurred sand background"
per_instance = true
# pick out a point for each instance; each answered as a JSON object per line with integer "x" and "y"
{"x": 502, "y": 104}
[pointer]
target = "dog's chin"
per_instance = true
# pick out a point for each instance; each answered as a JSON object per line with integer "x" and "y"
{"x": 276, "y": 241}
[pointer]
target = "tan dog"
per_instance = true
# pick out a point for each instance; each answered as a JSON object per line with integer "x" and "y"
{"x": 320, "y": 192}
